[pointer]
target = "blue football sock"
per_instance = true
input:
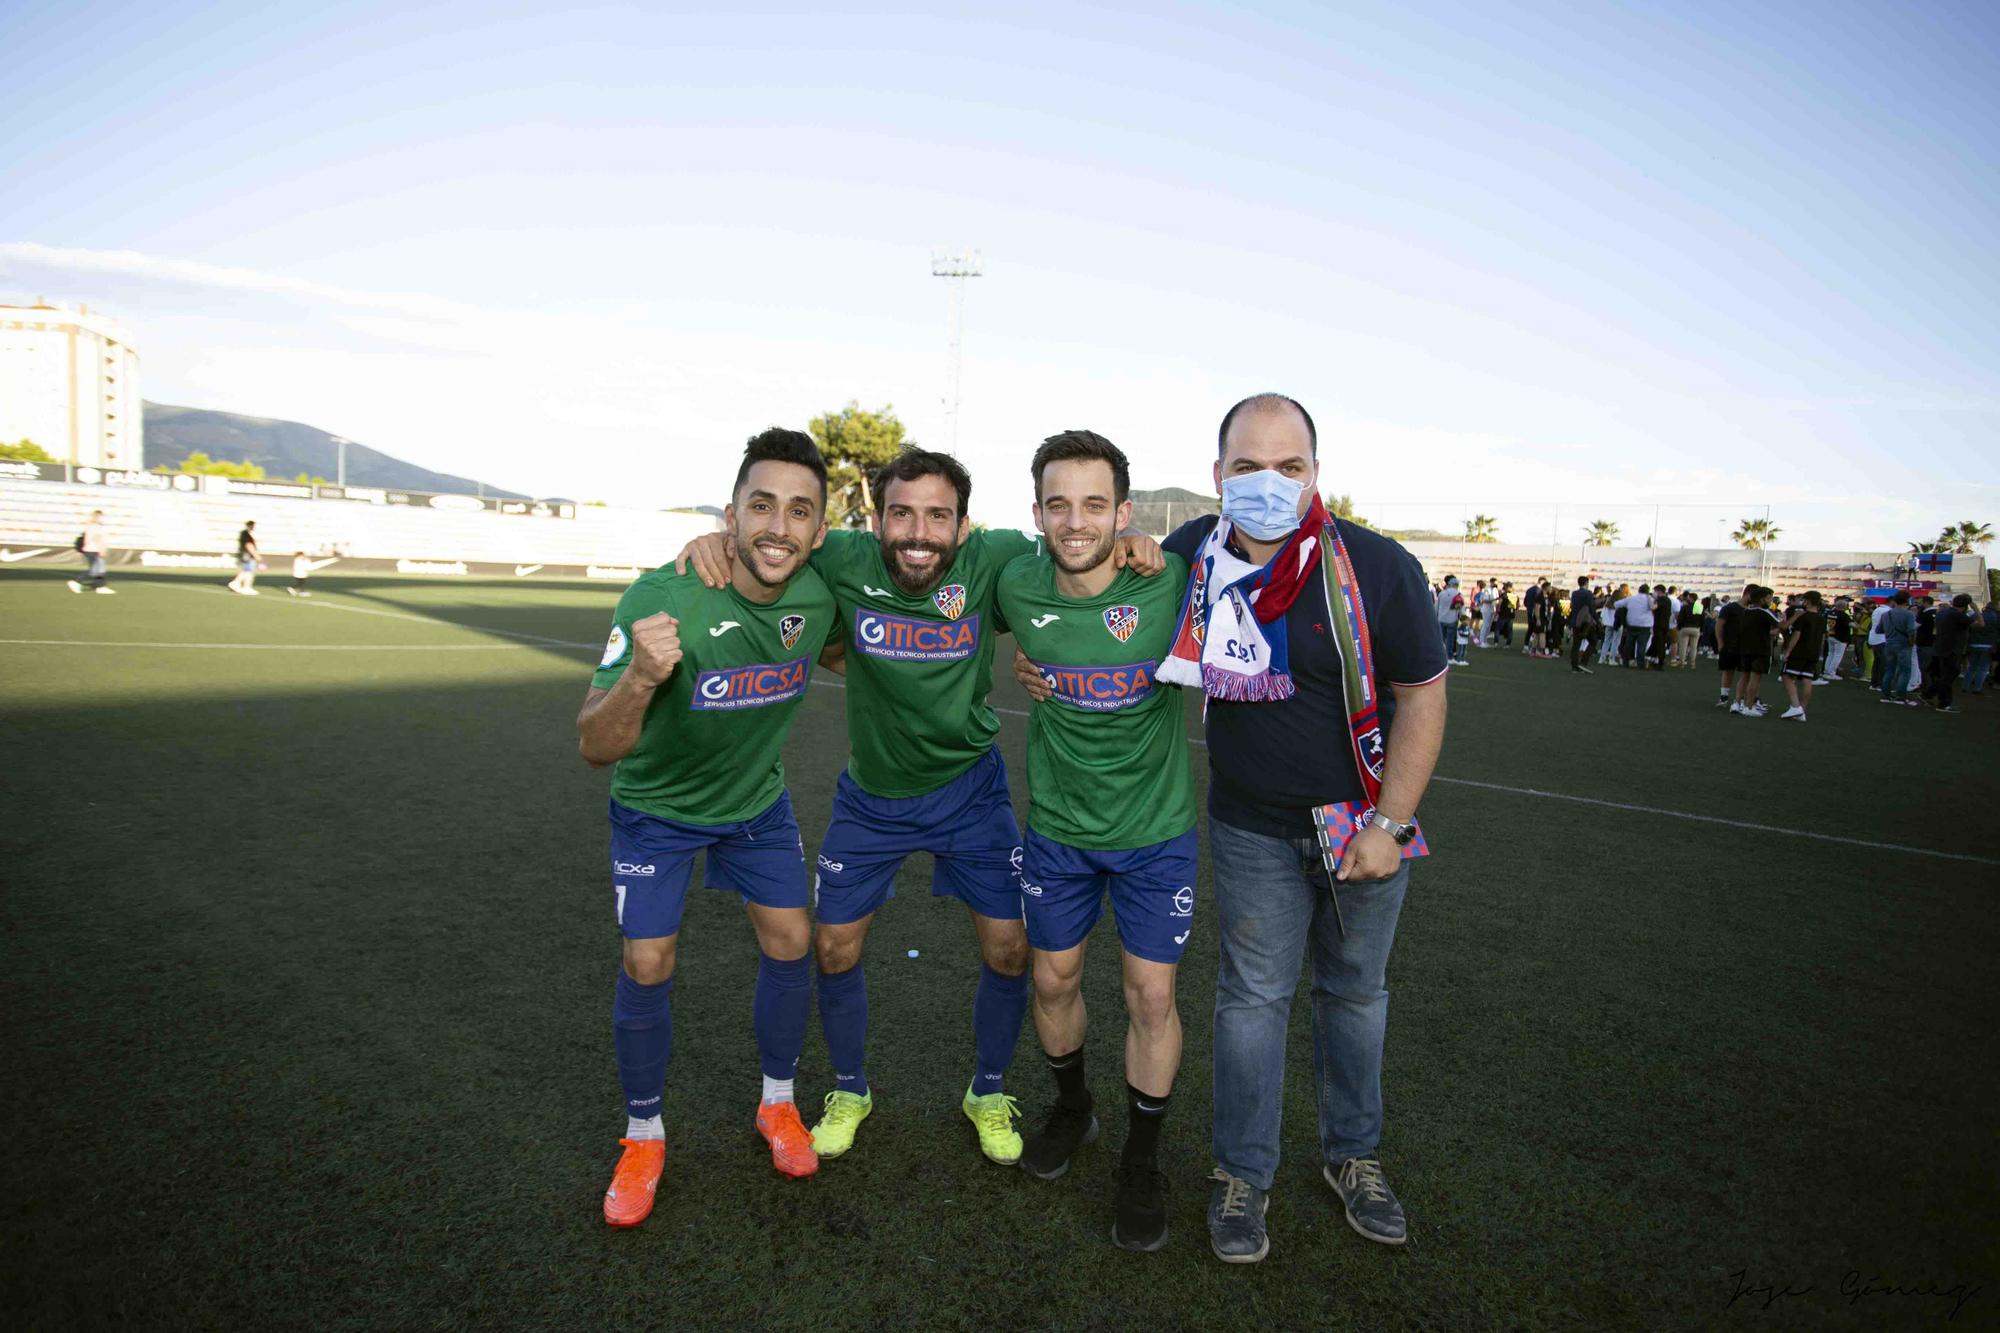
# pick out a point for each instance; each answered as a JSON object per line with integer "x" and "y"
{"x": 998, "y": 1007}
{"x": 642, "y": 1031}
{"x": 843, "y": 1017}
{"x": 784, "y": 994}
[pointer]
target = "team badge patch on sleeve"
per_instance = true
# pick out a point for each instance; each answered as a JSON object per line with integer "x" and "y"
{"x": 1122, "y": 621}
{"x": 614, "y": 647}
{"x": 790, "y": 628}
{"x": 950, "y": 600}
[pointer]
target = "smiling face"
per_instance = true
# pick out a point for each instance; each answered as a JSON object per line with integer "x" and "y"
{"x": 776, "y": 521}
{"x": 1270, "y": 439}
{"x": 1079, "y": 513}
{"x": 921, "y": 531}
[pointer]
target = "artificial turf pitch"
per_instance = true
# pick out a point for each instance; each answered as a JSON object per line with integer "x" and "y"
{"x": 306, "y": 962}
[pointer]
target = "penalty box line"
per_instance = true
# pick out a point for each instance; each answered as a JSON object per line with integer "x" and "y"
{"x": 1636, "y": 809}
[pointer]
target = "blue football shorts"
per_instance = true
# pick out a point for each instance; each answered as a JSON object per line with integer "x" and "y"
{"x": 967, "y": 826}
{"x": 652, "y": 864}
{"x": 1151, "y": 889}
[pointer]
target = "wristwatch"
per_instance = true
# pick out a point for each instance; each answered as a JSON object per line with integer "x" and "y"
{"x": 1402, "y": 833}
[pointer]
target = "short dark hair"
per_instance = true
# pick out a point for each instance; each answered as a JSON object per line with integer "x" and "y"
{"x": 778, "y": 445}
{"x": 1814, "y": 599}
{"x": 913, "y": 463}
{"x": 1902, "y": 598}
{"x": 1081, "y": 445}
{"x": 1749, "y": 590}
{"x": 1962, "y": 601}
{"x": 1264, "y": 402}
{"x": 1583, "y": 580}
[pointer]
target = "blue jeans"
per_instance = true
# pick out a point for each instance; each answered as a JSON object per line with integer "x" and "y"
{"x": 1896, "y": 662}
{"x": 1450, "y": 636}
{"x": 1271, "y": 898}
{"x": 1980, "y": 658}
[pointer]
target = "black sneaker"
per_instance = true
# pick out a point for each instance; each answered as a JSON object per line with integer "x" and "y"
{"x": 1141, "y": 1218}
{"x": 1236, "y": 1219}
{"x": 1046, "y": 1153}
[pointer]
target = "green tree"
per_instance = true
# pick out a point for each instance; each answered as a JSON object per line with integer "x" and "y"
{"x": 199, "y": 464}
{"x": 25, "y": 450}
{"x": 855, "y": 441}
{"x": 1342, "y": 506}
{"x": 1965, "y": 538}
{"x": 1754, "y": 534}
{"x": 1482, "y": 528}
{"x": 305, "y": 479}
{"x": 1601, "y": 532}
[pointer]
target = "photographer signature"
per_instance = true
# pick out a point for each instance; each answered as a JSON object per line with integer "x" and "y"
{"x": 1854, "y": 1287}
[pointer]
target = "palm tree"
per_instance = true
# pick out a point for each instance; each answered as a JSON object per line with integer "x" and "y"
{"x": 1482, "y": 528}
{"x": 1601, "y": 532}
{"x": 1754, "y": 534}
{"x": 1965, "y": 538}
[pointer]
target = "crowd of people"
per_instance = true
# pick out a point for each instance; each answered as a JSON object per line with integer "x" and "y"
{"x": 1913, "y": 651}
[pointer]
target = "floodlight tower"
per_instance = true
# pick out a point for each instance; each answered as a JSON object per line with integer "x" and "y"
{"x": 955, "y": 266}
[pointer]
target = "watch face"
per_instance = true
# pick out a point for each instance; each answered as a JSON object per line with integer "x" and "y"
{"x": 1405, "y": 834}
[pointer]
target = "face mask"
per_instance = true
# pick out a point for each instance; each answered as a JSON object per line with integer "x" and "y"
{"x": 1264, "y": 504}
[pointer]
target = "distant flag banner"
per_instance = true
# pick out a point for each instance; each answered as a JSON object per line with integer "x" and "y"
{"x": 1934, "y": 562}
{"x": 1882, "y": 592}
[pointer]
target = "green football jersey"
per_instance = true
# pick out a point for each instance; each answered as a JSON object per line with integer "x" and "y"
{"x": 918, "y": 668}
{"x": 708, "y": 751}
{"x": 1108, "y": 754}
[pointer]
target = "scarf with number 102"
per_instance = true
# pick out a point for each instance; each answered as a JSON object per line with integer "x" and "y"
{"x": 1232, "y": 639}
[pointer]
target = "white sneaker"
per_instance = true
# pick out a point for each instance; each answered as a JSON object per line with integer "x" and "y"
{"x": 1739, "y": 708}
{"x": 292, "y": 592}
{"x": 74, "y": 586}
{"x": 1793, "y": 711}
{"x": 1757, "y": 710}
{"x": 106, "y": 592}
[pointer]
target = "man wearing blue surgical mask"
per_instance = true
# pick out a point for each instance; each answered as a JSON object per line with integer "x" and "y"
{"x": 1313, "y": 635}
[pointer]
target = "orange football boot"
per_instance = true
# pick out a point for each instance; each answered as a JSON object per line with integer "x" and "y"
{"x": 634, "y": 1183}
{"x": 791, "y": 1146}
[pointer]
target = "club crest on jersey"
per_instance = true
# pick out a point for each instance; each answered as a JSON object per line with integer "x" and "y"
{"x": 790, "y": 628}
{"x": 748, "y": 686}
{"x": 907, "y": 639}
{"x": 950, "y": 600}
{"x": 1122, "y": 621}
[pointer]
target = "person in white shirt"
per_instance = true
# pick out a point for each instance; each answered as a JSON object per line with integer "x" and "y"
{"x": 1876, "y": 638}
{"x": 1638, "y": 627}
{"x": 91, "y": 546}
{"x": 1483, "y": 600}
{"x": 301, "y": 567}
{"x": 1450, "y": 602}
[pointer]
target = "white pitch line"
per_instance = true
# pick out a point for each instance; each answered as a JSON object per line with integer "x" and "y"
{"x": 287, "y": 647}
{"x": 399, "y": 615}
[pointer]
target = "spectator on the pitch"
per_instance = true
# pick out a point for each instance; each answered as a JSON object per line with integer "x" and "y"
{"x": 1480, "y": 608}
{"x": 1878, "y": 639}
{"x": 1583, "y": 624}
{"x": 1534, "y": 606}
{"x": 246, "y": 561}
{"x": 1926, "y": 642}
{"x": 302, "y": 566}
{"x": 1450, "y": 602}
{"x": 1706, "y": 645}
{"x": 1663, "y": 626}
{"x": 1839, "y": 630}
{"x": 1687, "y": 629}
{"x": 1805, "y": 640}
{"x": 1980, "y": 638}
{"x": 1756, "y": 630}
{"x": 1636, "y": 609}
{"x": 1503, "y": 615}
{"x": 1899, "y": 632}
{"x": 1952, "y": 636}
{"x": 1555, "y": 613}
{"x": 91, "y": 545}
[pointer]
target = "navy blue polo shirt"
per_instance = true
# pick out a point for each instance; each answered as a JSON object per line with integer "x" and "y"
{"x": 1270, "y": 763}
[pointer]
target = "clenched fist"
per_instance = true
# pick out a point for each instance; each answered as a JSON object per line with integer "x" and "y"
{"x": 656, "y": 647}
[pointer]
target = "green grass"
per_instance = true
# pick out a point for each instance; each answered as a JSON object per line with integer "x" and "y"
{"x": 305, "y": 965}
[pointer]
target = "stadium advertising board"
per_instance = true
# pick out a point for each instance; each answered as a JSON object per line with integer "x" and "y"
{"x": 23, "y": 554}
{"x": 17, "y": 470}
{"x": 471, "y": 504}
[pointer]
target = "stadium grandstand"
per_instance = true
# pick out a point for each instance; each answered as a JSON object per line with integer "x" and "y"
{"x": 151, "y": 523}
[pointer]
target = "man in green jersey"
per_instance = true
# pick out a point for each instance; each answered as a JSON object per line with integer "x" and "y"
{"x": 917, "y": 596}
{"x": 692, "y": 700}
{"x": 1110, "y": 807}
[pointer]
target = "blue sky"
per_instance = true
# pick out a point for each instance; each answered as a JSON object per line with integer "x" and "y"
{"x": 1607, "y": 256}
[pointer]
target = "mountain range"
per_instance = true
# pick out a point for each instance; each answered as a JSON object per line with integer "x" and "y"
{"x": 284, "y": 449}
